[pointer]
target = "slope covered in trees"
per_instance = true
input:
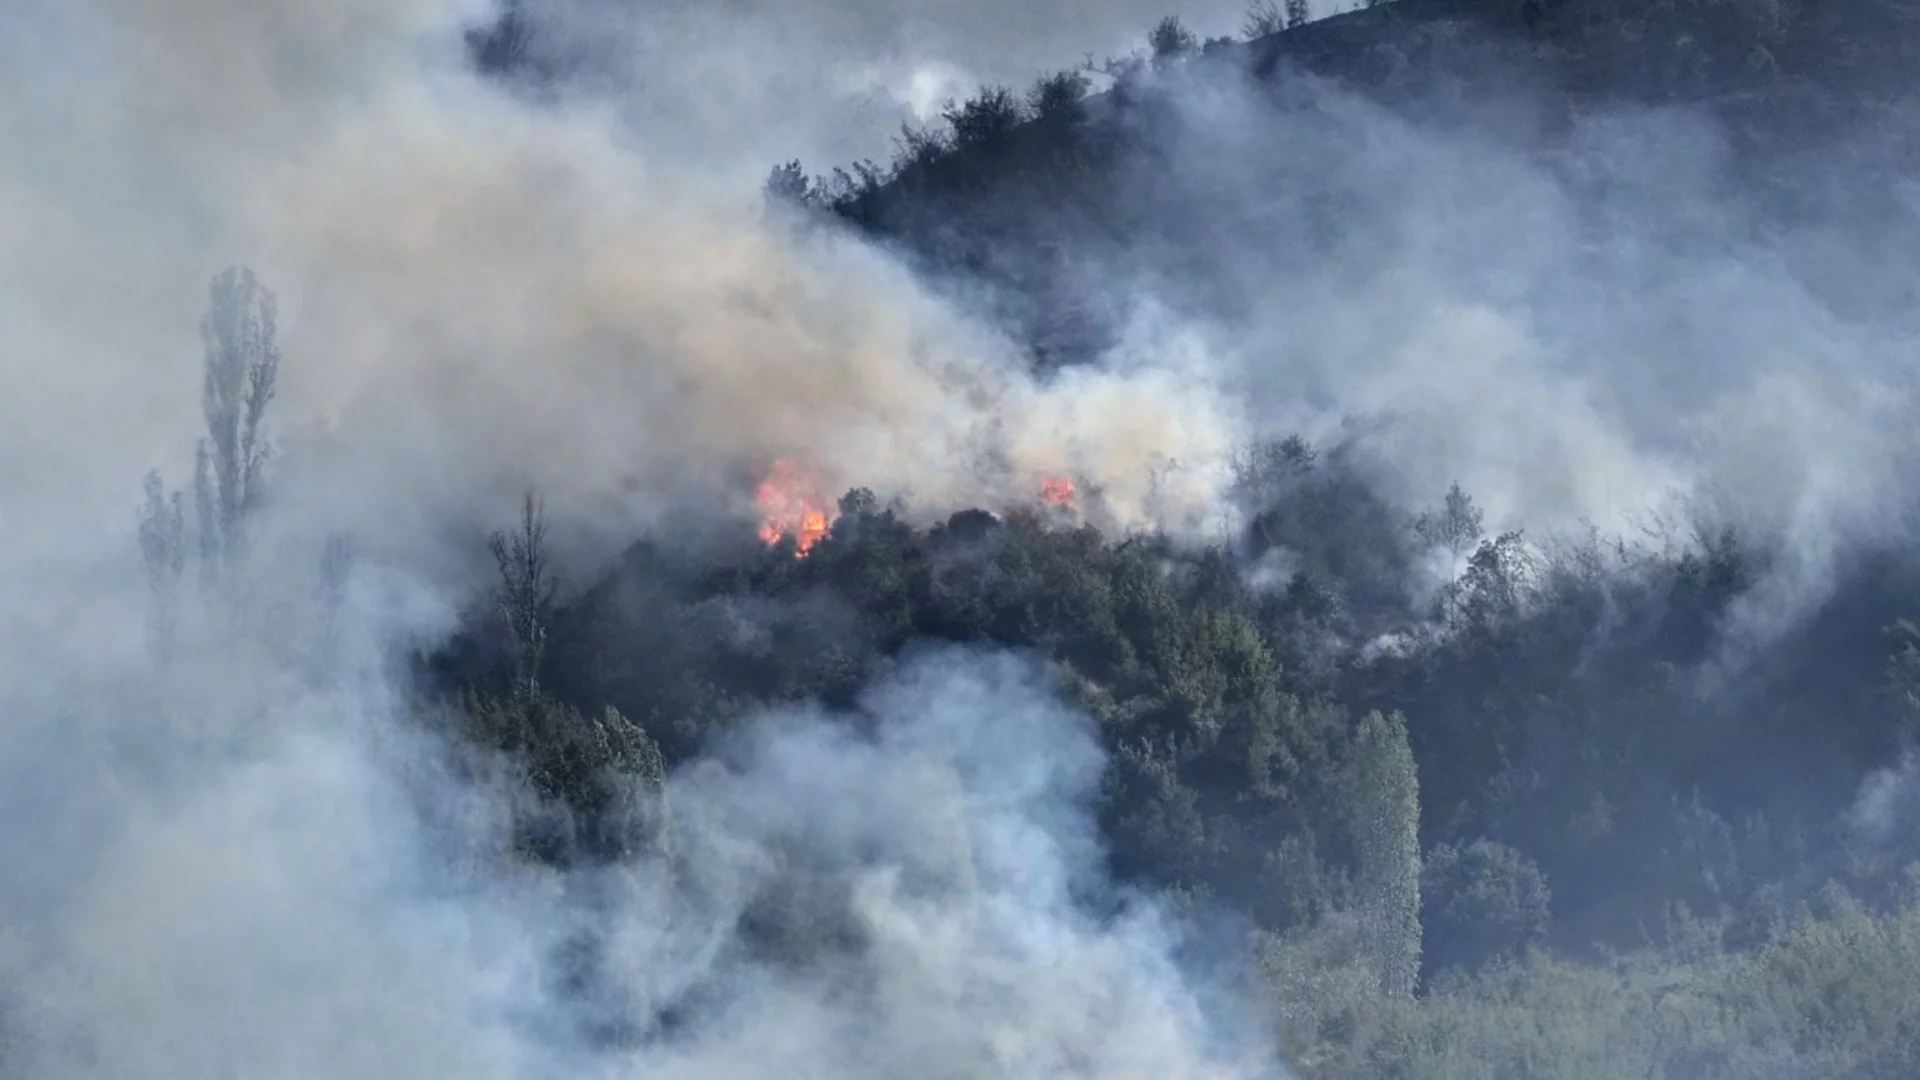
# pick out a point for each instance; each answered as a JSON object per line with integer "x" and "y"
{"x": 1146, "y": 167}
{"x": 1582, "y": 793}
{"x": 893, "y": 786}
{"x": 1636, "y": 845}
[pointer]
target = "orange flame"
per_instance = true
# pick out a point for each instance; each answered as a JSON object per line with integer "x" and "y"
{"x": 791, "y": 505}
{"x": 1058, "y": 491}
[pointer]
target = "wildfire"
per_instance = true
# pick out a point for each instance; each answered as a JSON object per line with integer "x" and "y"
{"x": 791, "y": 505}
{"x": 1057, "y": 491}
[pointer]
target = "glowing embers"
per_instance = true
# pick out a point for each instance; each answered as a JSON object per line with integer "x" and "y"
{"x": 791, "y": 506}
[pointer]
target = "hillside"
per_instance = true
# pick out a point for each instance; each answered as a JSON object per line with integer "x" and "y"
{"x": 1014, "y": 201}
{"x": 1593, "y": 782}
{"x": 1383, "y": 548}
{"x": 1662, "y": 772}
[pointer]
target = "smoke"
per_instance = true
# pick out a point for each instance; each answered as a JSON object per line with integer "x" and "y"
{"x": 870, "y": 66}
{"x": 1583, "y": 311}
{"x": 244, "y": 859}
{"x": 1883, "y": 809}
{"x": 239, "y": 865}
{"x": 926, "y": 895}
{"x": 479, "y": 294}
{"x": 1573, "y": 324}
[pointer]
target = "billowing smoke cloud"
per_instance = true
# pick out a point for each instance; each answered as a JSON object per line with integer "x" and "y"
{"x": 1573, "y": 316}
{"x": 928, "y": 896}
{"x": 239, "y": 861}
{"x": 1580, "y": 310}
{"x": 480, "y": 295}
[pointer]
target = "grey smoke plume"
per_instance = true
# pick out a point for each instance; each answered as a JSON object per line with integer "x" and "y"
{"x": 479, "y": 295}
{"x": 1580, "y": 311}
{"x": 1571, "y": 323}
{"x": 223, "y": 868}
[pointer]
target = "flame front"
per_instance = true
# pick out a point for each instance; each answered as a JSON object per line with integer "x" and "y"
{"x": 1057, "y": 491}
{"x": 791, "y": 505}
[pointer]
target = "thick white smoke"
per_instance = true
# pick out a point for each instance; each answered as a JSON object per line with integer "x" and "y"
{"x": 1576, "y": 316}
{"x": 221, "y": 869}
{"x": 1583, "y": 311}
{"x": 295, "y": 913}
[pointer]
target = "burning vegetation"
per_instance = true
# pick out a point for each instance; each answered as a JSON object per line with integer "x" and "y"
{"x": 1059, "y": 491}
{"x": 791, "y": 505}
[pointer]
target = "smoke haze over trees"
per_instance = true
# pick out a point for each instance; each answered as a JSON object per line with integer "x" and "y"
{"x": 1299, "y": 543}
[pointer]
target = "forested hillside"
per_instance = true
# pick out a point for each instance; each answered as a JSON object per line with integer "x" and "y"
{"x": 1380, "y": 546}
{"x": 1645, "y": 847}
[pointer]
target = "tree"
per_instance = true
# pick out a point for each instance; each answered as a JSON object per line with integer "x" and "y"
{"x": 1263, "y": 18}
{"x": 1267, "y": 471}
{"x": 163, "y": 549}
{"x": 918, "y": 148}
{"x": 336, "y": 565}
{"x": 241, "y": 367}
{"x": 503, "y": 45}
{"x": 1497, "y": 582}
{"x": 1298, "y": 13}
{"x": 985, "y": 118}
{"x": 599, "y": 781}
{"x": 1903, "y": 678}
{"x": 787, "y": 185}
{"x": 1059, "y": 98}
{"x": 242, "y": 370}
{"x": 1384, "y": 811}
{"x": 524, "y": 599}
{"x": 1454, "y": 527}
{"x": 1170, "y": 39}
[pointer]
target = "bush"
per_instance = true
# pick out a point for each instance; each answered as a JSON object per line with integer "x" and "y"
{"x": 597, "y": 785}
